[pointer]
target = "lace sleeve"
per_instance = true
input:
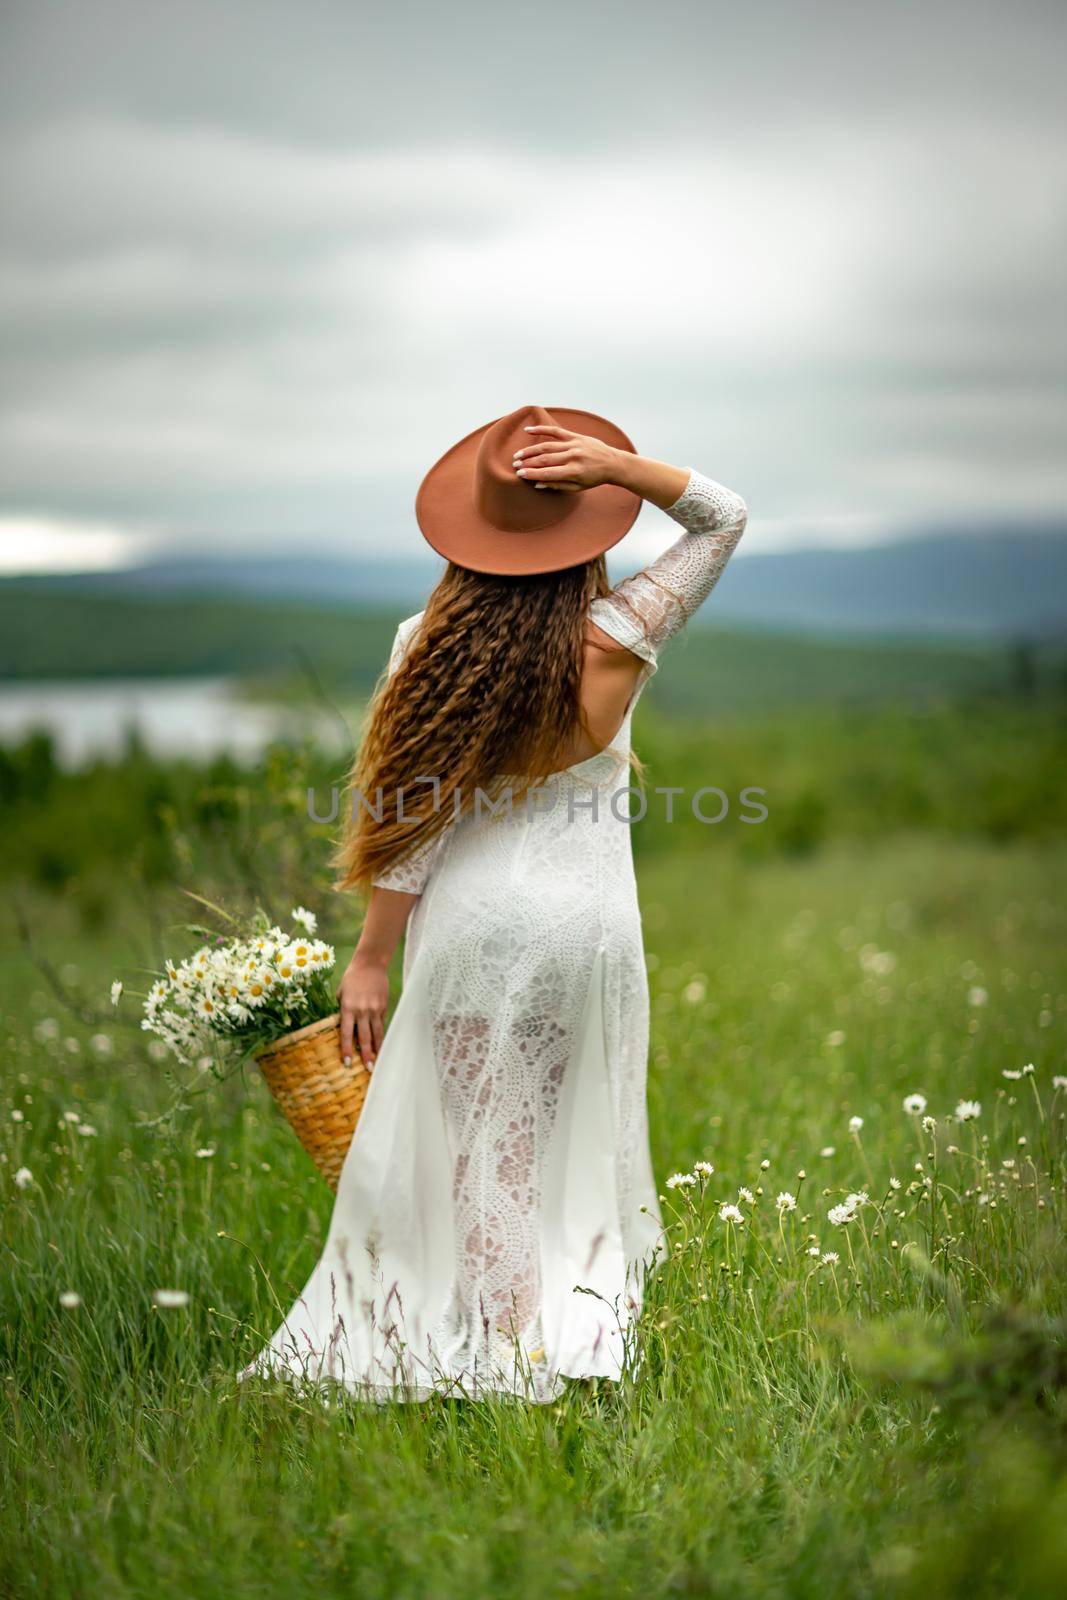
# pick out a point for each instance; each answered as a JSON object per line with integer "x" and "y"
{"x": 410, "y": 872}
{"x": 647, "y": 610}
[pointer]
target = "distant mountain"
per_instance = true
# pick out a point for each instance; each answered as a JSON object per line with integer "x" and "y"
{"x": 367, "y": 583}
{"x": 984, "y": 584}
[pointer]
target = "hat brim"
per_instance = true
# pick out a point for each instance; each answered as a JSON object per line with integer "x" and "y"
{"x": 452, "y": 524}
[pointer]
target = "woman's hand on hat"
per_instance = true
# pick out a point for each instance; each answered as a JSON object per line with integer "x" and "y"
{"x": 558, "y": 459}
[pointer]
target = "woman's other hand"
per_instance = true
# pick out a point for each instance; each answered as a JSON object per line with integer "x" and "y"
{"x": 556, "y": 458}
{"x": 567, "y": 462}
{"x": 364, "y": 998}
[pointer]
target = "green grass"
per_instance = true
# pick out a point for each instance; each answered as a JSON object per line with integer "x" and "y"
{"x": 890, "y": 1425}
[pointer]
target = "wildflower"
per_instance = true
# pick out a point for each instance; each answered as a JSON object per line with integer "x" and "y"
{"x": 70, "y": 1300}
{"x": 786, "y": 1201}
{"x": 747, "y": 1196}
{"x": 1012, "y": 1076}
{"x": 728, "y": 1213}
{"x": 764, "y": 1166}
{"x": 205, "y": 1152}
{"x": 915, "y": 1104}
{"x": 17, "y": 1115}
{"x": 680, "y": 1180}
{"x": 968, "y": 1110}
{"x": 855, "y": 1124}
{"x": 1007, "y": 1165}
{"x": 1059, "y": 1082}
{"x": 1028, "y": 1069}
{"x": 704, "y": 1168}
{"x": 827, "y": 1151}
{"x": 894, "y": 1183}
{"x": 830, "y": 1259}
{"x": 23, "y": 1178}
{"x": 72, "y": 1116}
{"x": 929, "y": 1124}
{"x": 977, "y": 996}
{"x": 813, "y": 1250}
{"x": 307, "y": 919}
{"x": 170, "y": 1299}
{"x": 841, "y": 1215}
{"x": 86, "y": 1130}
{"x": 116, "y": 991}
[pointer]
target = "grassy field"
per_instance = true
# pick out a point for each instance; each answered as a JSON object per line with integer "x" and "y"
{"x": 889, "y": 1422}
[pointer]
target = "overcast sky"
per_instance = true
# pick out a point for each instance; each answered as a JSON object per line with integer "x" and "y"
{"x": 262, "y": 263}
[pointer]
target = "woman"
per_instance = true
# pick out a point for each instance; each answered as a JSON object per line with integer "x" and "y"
{"x": 497, "y": 1210}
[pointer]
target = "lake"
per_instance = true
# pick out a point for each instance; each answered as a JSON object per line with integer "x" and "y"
{"x": 195, "y": 717}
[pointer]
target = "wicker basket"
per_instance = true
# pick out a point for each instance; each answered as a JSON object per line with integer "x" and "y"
{"x": 320, "y": 1096}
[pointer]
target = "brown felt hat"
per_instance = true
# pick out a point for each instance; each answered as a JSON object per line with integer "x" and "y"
{"x": 474, "y": 510}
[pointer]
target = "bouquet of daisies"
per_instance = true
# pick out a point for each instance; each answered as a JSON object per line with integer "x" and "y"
{"x": 242, "y": 992}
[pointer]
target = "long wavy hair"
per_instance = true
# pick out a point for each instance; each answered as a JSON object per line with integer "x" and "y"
{"x": 486, "y": 698}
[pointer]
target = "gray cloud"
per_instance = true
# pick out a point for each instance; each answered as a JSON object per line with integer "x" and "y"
{"x": 262, "y": 263}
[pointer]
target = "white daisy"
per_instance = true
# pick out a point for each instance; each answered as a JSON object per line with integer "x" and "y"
{"x": 116, "y": 992}
{"x": 855, "y": 1124}
{"x": 786, "y": 1201}
{"x": 170, "y": 1299}
{"x": 70, "y": 1300}
{"x": 257, "y": 989}
{"x": 704, "y": 1168}
{"x": 23, "y": 1178}
{"x": 680, "y": 1180}
{"x": 915, "y": 1104}
{"x": 968, "y": 1110}
{"x": 728, "y": 1213}
{"x": 307, "y": 919}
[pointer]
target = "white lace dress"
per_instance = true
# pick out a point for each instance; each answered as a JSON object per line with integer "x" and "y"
{"x": 497, "y": 1210}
